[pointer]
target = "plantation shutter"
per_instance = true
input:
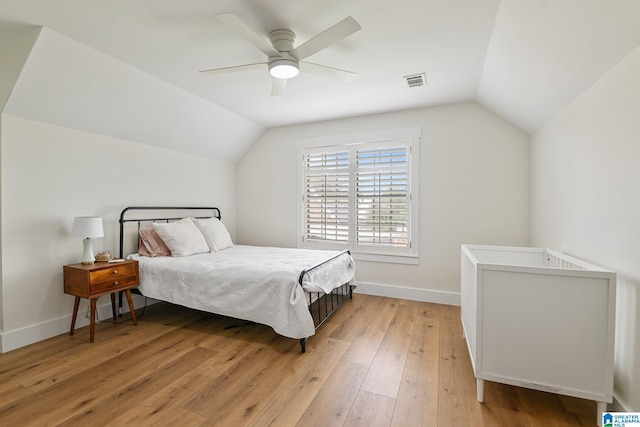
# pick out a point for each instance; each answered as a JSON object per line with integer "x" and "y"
{"x": 358, "y": 194}
{"x": 382, "y": 195}
{"x": 326, "y": 196}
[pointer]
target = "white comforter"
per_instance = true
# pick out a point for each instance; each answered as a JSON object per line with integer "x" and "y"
{"x": 253, "y": 283}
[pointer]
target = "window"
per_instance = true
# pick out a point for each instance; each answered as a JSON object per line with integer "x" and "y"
{"x": 358, "y": 192}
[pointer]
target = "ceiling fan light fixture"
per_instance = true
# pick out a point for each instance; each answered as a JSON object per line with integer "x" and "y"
{"x": 284, "y": 68}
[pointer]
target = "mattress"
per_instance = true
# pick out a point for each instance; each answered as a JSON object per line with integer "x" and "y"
{"x": 253, "y": 283}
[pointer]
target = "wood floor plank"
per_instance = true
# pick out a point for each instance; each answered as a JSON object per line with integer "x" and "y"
{"x": 336, "y": 397}
{"x": 303, "y": 386}
{"x": 113, "y": 339}
{"x": 177, "y": 358}
{"x": 502, "y": 406}
{"x": 431, "y": 310}
{"x": 584, "y": 410}
{"x": 81, "y": 392}
{"x": 11, "y": 392}
{"x": 385, "y": 374}
{"x": 371, "y": 332}
{"x": 417, "y": 402}
{"x": 162, "y": 404}
{"x": 216, "y": 335}
{"x": 18, "y": 359}
{"x": 236, "y": 343}
{"x": 457, "y": 403}
{"x": 245, "y": 397}
{"x": 132, "y": 394}
{"x": 177, "y": 417}
{"x": 371, "y": 410}
{"x": 258, "y": 393}
{"x": 23, "y": 374}
{"x": 545, "y": 409}
{"x": 346, "y": 321}
{"x": 230, "y": 381}
{"x": 87, "y": 355}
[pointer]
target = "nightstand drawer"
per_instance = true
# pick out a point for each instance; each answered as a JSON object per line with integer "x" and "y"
{"x": 114, "y": 272}
{"x": 114, "y": 283}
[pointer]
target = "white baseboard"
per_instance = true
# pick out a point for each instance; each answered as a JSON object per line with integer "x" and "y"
{"x": 34, "y": 333}
{"x": 414, "y": 294}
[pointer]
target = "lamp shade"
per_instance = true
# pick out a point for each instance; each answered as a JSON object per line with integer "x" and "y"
{"x": 87, "y": 226}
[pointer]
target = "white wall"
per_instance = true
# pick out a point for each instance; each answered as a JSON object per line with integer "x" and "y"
{"x": 85, "y": 134}
{"x": 474, "y": 172}
{"x": 51, "y": 174}
{"x": 585, "y": 199}
{"x": 16, "y": 42}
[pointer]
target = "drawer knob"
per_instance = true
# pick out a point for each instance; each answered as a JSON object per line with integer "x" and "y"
{"x": 115, "y": 272}
{"x": 116, "y": 283}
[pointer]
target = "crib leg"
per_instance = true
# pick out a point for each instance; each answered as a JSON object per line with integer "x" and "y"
{"x": 601, "y": 408}
{"x": 303, "y": 345}
{"x": 480, "y": 389}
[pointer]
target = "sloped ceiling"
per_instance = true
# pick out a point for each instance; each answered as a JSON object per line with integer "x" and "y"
{"x": 66, "y": 83}
{"x": 524, "y": 59}
{"x": 543, "y": 54}
{"x": 16, "y": 42}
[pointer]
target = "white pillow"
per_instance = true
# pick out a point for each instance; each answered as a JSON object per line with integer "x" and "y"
{"x": 181, "y": 237}
{"x": 214, "y": 232}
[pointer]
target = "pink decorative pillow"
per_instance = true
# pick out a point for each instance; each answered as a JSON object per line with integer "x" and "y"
{"x": 151, "y": 244}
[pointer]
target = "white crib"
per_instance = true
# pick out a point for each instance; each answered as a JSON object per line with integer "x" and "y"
{"x": 539, "y": 319}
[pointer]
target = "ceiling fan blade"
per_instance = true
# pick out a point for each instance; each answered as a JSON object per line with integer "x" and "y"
{"x": 233, "y": 69}
{"x": 329, "y": 72}
{"x": 326, "y": 38}
{"x": 233, "y": 22}
{"x": 278, "y": 87}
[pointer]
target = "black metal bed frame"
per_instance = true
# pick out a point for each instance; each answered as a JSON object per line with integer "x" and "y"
{"x": 321, "y": 305}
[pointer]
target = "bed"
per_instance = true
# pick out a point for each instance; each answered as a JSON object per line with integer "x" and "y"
{"x": 294, "y": 291}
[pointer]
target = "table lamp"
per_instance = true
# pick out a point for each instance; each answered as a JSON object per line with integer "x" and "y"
{"x": 87, "y": 227}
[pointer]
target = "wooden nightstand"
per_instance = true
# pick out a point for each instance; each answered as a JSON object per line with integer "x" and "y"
{"x": 92, "y": 281}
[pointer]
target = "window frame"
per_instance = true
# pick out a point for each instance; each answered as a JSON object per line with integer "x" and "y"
{"x": 384, "y": 138}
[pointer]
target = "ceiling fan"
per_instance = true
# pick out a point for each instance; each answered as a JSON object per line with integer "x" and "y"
{"x": 283, "y": 60}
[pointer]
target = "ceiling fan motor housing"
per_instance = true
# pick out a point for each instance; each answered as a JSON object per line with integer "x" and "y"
{"x": 282, "y": 40}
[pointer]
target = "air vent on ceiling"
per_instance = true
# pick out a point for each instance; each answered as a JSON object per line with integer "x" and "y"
{"x": 416, "y": 80}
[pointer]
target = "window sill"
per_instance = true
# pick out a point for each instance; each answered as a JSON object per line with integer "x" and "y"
{"x": 367, "y": 256}
{"x": 393, "y": 259}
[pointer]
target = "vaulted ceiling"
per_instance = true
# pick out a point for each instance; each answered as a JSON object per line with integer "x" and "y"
{"x": 523, "y": 59}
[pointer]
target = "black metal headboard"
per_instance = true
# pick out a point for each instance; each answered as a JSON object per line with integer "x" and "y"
{"x": 146, "y": 214}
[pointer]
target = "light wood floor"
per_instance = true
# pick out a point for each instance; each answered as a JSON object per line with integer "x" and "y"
{"x": 378, "y": 362}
